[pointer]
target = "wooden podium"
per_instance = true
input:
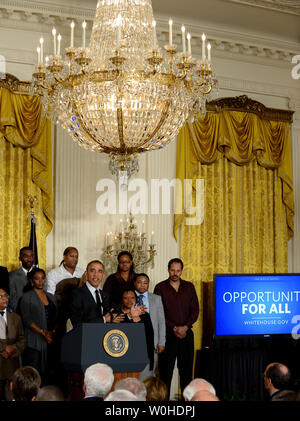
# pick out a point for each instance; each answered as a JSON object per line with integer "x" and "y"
{"x": 122, "y": 346}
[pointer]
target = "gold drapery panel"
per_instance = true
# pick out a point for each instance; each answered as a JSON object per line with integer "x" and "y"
{"x": 26, "y": 169}
{"x": 246, "y": 165}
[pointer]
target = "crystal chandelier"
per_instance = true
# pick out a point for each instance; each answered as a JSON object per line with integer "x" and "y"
{"x": 128, "y": 238}
{"x": 123, "y": 94}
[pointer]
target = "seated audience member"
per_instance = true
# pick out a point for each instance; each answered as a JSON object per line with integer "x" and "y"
{"x": 89, "y": 304}
{"x": 12, "y": 344}
{"x": 287, "y": 395}
{"x": 277, "y": 377}
{"x": 153, "y": 305}
{"x": 122, "y": 280}
{"x": 50, "y": 393}
{"x": 121, "y": 396}
{"x": 156, "y": 389}
{"x": 18, "y": 277}
{"x": 39, "y": 315}
{"x": 4, "y": 279}
{"x": 137, "y": 315}
{"x": 98, "y": 380}
{"x": 133, "y": 385}
{"x": 67, "y": 269}
{"x": 197, "y": 385}
{"x": 25, "y": 384}
{"x": 204, "y": 395}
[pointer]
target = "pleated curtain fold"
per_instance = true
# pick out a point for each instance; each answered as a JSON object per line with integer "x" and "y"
{"x": 26, "y": 169}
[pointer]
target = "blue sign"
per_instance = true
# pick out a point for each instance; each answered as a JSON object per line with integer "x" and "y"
{"x": 257, "y": 304}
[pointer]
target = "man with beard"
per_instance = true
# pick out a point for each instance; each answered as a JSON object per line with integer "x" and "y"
{"x": 181, "y": 309}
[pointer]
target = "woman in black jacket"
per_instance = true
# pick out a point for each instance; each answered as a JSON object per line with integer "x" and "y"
{"x": 134, "y": 314}
{"x": 122, "y": 280}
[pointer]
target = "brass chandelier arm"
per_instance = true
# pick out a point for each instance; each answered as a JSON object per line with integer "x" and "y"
{"x": 120, "y": 130}
{"x": 99, "y": 76}
{"x": 152, "y": 253}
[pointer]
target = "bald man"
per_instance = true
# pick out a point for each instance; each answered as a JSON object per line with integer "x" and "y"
{"x": 277, "y": 377}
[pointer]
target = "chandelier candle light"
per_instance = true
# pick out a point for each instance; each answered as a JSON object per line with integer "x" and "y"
{"x": 123, "y": 95}
{"x": 128, "y": 238}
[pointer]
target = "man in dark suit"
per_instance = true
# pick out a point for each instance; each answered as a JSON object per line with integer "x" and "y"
{"x": 4, "y": 279}
{"x": 277, "y": 377}
{"x": 12, "y": 343}
{"x": 18, "y": 277}
{"x": 89, "y": 304}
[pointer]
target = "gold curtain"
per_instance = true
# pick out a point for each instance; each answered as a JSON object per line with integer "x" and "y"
{"x": 26, "y": 169}
{"x": 248, "y": 200}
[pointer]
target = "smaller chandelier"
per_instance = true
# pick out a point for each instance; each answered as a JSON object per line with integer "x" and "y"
{"x": 122, "y": 94}
{"x": 129, "y": 239}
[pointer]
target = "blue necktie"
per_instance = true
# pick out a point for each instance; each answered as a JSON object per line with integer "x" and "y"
{"x": 140, "y": 300}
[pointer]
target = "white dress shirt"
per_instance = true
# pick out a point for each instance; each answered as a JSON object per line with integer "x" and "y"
{"x": 58, "y": 274}
{"x": 3, "y": 324}
{"x": 26, "y": 271}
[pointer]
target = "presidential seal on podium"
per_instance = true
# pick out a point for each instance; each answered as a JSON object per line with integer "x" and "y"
{"x": 115, "y": 343}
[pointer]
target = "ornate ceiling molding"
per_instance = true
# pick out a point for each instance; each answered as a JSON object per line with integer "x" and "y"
{"x": 40, "y": 17}
{"x": 30, "y": 9}
{"x": 291, "y": 7}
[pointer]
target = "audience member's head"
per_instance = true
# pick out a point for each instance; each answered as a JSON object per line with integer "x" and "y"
{"x": 277, "y": 376}
{"x": 98, "y": 380}
{"x": 286, "y": 395}
{"x": 26, "y": 257}
{"x": 3, "y": 299}
{"x": 25, "y": 384}
{"x": 197, "y": 385}
{"x": 121, "y": 395}
{"x": 204, "y": 395}
{"x": 134, "y": 386}
{"x": 141, "y": 283}
{"x": 95, "y": 273}
{"x": 70, "y": 257}
{"x": 156, "y": 389}
{"x": 50, "y": 393}
{"x": 125, "y": 262}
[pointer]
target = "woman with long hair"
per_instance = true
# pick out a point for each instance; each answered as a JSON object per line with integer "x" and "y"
{"x": 122, "y": 280}
{"x": 67, "y": 269}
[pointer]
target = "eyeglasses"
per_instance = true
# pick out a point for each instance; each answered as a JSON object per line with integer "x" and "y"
{"x": 4, "y": 296}
{"x": 124, "y": 261}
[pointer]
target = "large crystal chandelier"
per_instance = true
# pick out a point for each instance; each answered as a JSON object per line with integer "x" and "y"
{"x": 123, "y": 94}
